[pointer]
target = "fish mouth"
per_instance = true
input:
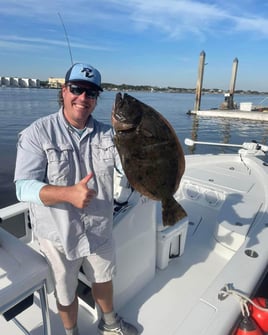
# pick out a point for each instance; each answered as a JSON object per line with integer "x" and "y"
{"x": 118, "y": 112}
{"x": 120, "y": 123}
{"x": 120, "y": 119}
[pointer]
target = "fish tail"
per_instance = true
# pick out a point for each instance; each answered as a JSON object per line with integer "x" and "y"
{"x": 172, "y": 212}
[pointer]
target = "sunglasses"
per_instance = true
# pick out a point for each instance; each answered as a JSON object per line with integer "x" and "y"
{"x": 78, "y": 90}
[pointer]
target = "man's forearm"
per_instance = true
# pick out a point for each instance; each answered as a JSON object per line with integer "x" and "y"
{"x": 79, "y": 195}
{"x": 53, "y": 194}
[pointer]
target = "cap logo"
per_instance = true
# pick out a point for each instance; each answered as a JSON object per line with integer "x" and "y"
{"x": 88, "y": 72}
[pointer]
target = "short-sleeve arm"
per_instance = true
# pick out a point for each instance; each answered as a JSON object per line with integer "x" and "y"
{"x": 31, "y": 161}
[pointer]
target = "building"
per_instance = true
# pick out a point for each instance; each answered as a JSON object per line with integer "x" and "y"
{"x": 55, "y": 82}
{"x": 14, "y": 81}
{"x": 19, "y": 82}
{"x": 23, "y": 82}
{"x": 34, "y": 82}
{"x": 5, "y": 81}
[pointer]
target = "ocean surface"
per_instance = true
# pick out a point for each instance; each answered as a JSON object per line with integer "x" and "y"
{"x": 21, "y": 106}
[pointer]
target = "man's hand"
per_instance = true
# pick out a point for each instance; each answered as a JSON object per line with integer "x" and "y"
{"x": 79, "y": 195}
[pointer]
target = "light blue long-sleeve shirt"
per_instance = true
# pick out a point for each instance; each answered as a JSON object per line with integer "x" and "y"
{"x": 28, "y": 190}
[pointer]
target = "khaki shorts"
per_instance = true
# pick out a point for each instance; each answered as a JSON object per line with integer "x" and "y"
{"x": 98, "y": 267}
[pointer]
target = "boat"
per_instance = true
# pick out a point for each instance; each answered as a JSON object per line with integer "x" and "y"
{"x": 189, "y": 278}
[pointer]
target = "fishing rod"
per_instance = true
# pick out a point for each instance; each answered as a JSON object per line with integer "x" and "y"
{"x": 67, "y": 38}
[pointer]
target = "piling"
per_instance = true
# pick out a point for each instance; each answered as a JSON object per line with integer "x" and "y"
{"x": 232, "y": 82}
{"x": 199, "y": 81}
{"x": 228, "y": 103}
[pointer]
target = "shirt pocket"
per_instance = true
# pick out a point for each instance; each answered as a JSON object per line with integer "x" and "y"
{"x": 59, "y": 158}
{"x": 103, "y": 156}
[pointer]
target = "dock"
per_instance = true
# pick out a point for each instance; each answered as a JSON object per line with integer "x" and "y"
{"x": 228, "y": 108}
{"x": 232, "y": 113}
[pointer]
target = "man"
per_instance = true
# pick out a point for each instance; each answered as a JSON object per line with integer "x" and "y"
{"x": 64, "y": 168}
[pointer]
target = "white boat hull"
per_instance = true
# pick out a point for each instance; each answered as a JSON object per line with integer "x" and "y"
{"x": 226, "y": 199}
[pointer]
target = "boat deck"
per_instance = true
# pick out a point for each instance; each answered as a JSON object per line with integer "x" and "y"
{"x": 183, "y": 298}
{"x": 191, "y": 271}
{"x": 178, "y": 288}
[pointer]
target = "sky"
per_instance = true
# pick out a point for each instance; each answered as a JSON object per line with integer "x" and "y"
{"x": 138, "y": 42}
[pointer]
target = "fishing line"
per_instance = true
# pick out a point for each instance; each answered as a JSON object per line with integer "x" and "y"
{"x": 67, "y": 39}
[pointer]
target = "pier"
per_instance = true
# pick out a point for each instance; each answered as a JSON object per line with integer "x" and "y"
{"x": 228, "y": 108}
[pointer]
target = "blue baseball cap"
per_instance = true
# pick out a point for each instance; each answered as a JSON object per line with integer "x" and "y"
{"x": 84, "y": 73}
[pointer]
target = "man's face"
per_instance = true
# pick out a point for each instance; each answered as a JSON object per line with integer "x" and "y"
{"x": 78, "y": 105}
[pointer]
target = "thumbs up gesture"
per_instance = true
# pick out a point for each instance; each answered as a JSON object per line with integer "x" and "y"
{"x": 81, "y": 194}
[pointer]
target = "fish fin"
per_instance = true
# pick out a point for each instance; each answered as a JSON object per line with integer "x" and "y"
{"x": 172, "y": 212}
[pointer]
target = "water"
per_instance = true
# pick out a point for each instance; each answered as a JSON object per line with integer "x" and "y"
{"x": 19, "y": 107}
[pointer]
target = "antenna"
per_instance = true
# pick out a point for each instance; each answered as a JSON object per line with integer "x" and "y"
{"x": 67, "y": 39}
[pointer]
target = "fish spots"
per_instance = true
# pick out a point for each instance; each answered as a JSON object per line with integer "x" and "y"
{"x": 152, "y": 157}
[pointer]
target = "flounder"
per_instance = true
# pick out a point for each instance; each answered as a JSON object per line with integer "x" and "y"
{"x": 151, "y": 155}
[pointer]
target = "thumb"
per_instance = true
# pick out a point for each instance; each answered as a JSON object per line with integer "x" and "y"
{"x": 87, "y": 178}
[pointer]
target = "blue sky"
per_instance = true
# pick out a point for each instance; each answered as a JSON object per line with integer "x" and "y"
{"x": 148, "y": 42}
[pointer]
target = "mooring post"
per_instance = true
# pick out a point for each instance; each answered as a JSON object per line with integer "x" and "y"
{"x": 232, "y": 83}
{"x": 199, "y": 81}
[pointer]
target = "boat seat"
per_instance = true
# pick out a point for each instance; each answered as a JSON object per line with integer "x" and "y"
{"x": 235, "y": 219}
{"x": 23, "y": 272}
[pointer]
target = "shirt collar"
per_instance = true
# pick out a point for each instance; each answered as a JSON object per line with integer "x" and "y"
{"x": 89, "y": 125}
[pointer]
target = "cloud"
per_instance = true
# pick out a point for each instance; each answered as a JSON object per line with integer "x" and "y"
{"x": 20, "y": 42}
{"x": 200, "y": 18}
{"x": 253, "y": 24}
{"x": 176, "y": 19}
